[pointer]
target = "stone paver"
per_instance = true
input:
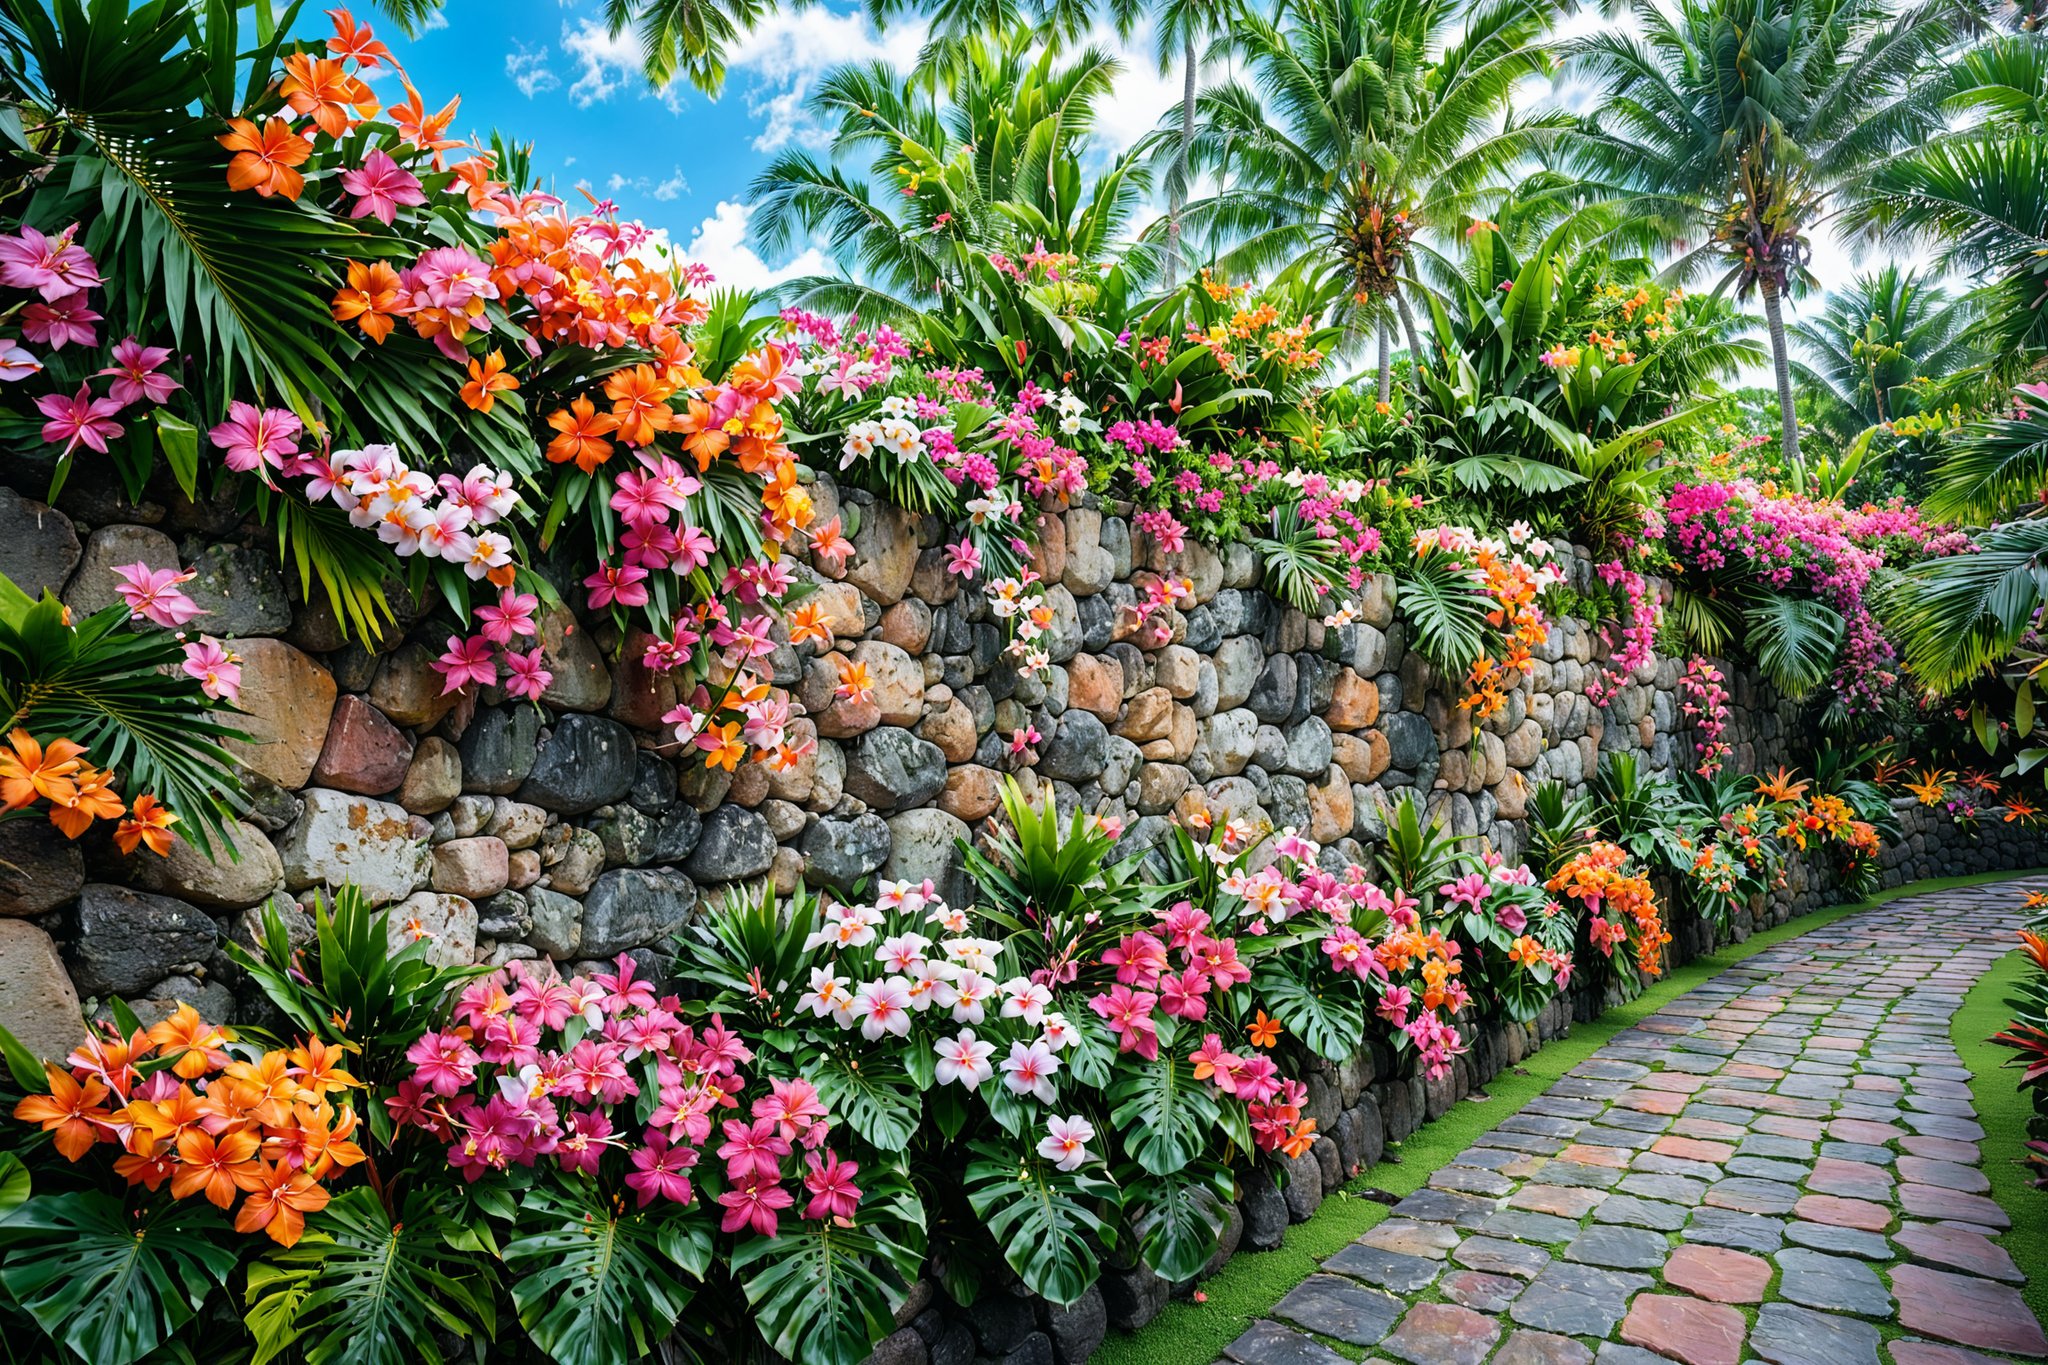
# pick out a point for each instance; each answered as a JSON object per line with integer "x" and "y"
{"x": 1790, "y": 1147}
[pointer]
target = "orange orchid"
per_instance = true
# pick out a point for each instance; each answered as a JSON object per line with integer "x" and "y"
{"x": 73, "y": 1111}
{"x": 1265, "y": 1031}
{"x": 427, "y": 133}
{"x": 356, "y": 42}
{"x": 583, "y": 430}
{"x": 216, "y": 1167}
{"x": 487, "y": 379}
{"x": 265, "y": 159}
{"x": 2035, "y": 947}
{"x": 722, "y": 746}
{"x": 807, "y": 622}
{"x": 197, "y": 1044}
{"x": 317, "y": 1068}
{"x": 279, "y": 1202}
{"x": 369, "y": 299}
{"x": 322, "y": 87}
{"x": 28, "y": 770}
{"x": 703, "y": 440}
{"x": 2035, "y": 900}
{"x": 639, "y": 402}
{"x": 1300, "y": 1139}
{"x": 1930, "y": 788}
{"x": 317, "y": 1143}
{"x": 148, "y": 825}
{"x": 160, "y": 1121}
{"x": 1780, "y": 787}
{"x": 474, "y": 175}
{"x": 262, "y": 1090}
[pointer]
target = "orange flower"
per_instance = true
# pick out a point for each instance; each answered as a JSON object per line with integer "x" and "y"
{"x": 1265, "y": 1031}
{"x": 429, "y": 134}
{"x": 368, "y": 299}
{"x": 317, "y": 1068}
{"x": 166, "y": 1121}
{"x": 28, "y": 770}
{"x": 149, "y": 824}
{"x": 487, "y": 379}
{"x": 1779, "y": 786}
{"x": 279, "y": 1202}
{"x": 262, "y": 1090}
{"x": 702, "y": 439}
{"x": 216, "y": 1168}
{"x": 95, "y": 799}
{"x": 196, "y": 1044}
{"x": 722, "y": 746}
{"x": 2036, "y": 948}
{"x": 321, "y": 87}
{"x": 1300, "y": 1139}
{"x": 2020, "y": 809}
{"x": 583, "y": 429}
{"x": 639, "y": 402}
{"x": 855, "y": 685}
{"x": 807, "y": 622}
{"x": 72, "y": 1111}
{"x": 264, "y": 159}
{"x": 2036, "y": 900}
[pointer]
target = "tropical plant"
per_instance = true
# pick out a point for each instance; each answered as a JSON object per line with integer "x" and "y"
{"x": 1878, "y": 344}
{"x": 1751, "y": 122}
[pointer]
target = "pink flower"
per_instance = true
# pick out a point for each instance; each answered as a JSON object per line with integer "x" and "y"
{"x": 1394, "y": 1003}
{"x": 1470, "y": 890}
{"x": 79, "y": 420}
{"x": 1181, "y": 995}
{"x": 254, "y": 437}
{"x": 583, "y": 1144}
{"x": 755, "y": 1148}
{"x": 643, "y": 500}
{"x": 525, "y": 676}
{"x": 833, "y": 1193}
{"x": 53, "y": 266}
{"x": 625, "y": 585}
{"x": 442, "y": 1062}
{"x": 1028, "y": 1070}
{"x": 135, "y": 373}
{"x": 1064, "y": 1143}
{"x": 380, "y": 186}
{"x": 60, "y": 322}
{"x": 17, "y": 363}
{"x": 1130, "y": 1015}
{"x": 658, "y": 1172}
{"x": 512, "y": 616}
{"x": 153, "y": 594}
{"x": 753, "y": 1204}
{"x": 693, "y": 550}
{"x": 467, "y": 661}
{"x": 963, "y": 560}
{"x": 219, "y": 672}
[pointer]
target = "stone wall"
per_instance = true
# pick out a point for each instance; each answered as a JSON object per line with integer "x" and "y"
{"x": 577, "y": 832}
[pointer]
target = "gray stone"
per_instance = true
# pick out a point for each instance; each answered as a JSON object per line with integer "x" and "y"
{"x": 1076, "y": 750}
{"x": 1131, "y": 1298}
{"x": 890, "y": 768}
{"x": 634, "y": 908}
{"x": 1268, "y": 1343}
{"x": 923, "y": 846}
{"x": 586, "y": 762}
{"x": 1622, "y": 1248}
{"x": 838, "y": 853}
{"x": 93, "y": 586}
{"x": 1272, "y": 696}
{"x": 1078, "y": 1328}
{"x": 557, "y": 923}
{"x": 38, "y": 546}
{"x": 40, "y": 869}
{"x": 1340, "y": 1309}
{"x": 1392, "y": 1270}
{"x": 447, "y": 922}
{"x": 242, "y": 590}
{"x": 127, "y": 941}
{"x": 499, "y": 748}
{"x": 1788, "y": 1335}
{"x": 735, "y": 844}
{"x": 37, "y": 1000}
{"x": 1576, "y": 1300}
{"x": 1816, "y": 1280}
{"x": 998, "y": 1320}
{"x": 340, "y": 838}
{"x": 1411, "y": 744}
{"x": 242, "y": 871}
{"x": 1265, "y": 1210}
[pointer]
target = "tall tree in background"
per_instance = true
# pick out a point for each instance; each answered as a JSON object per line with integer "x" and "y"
{"x": 1875, "y": 343}
{"x": 1755, "y": 120}
{"x": 1362, "y": 122}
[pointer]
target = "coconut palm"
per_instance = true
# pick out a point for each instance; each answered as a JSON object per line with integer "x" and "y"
{"x": 987, "y": 152}
{"x": 1361, "y": 123}
{"x": 1876, "y": 344}
{"x": 1753, "y": 121}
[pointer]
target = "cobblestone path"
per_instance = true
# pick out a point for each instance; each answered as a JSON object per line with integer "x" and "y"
{"x": 1779, "y": 1165}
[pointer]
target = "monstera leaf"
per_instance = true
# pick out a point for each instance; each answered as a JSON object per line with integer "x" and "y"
{"x": 1178, "y": 1218}
{"x": 1162, "y": 1112}
{"x": 825, "y": 1294}
{"x": 1047, "y": 1221}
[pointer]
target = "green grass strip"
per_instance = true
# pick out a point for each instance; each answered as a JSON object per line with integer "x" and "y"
{"x": 2004, "y": 1109}
{"x": 1189, "y": 1333}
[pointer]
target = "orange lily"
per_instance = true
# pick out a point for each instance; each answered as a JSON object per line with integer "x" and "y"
{"x": 320, "y": 86}
{"x": 1265, "y": 1030}
{"x": 95, "y": 799}
{"x": 368, "y": 299}
{"x": 28, "y": 770}
{"x": 807, "y": 622}
{"x": 701, "y": 438}
{"x": 429, "y": 134}
{"x": 167, "y": 1121}
{"x": 197, "y": 1044}
{"x": 583, "y": 429}
{"x": 487, "y": 379}
{"x": 854, "y": 683}
{"x": 1779, "y": 786}
{"x": 279, "y": 1202}
{"x": 262, "y": 1090}
{"x": 216, "y": 1168}
{"x": 639, "y": 403}
{"x": 317, "y": 1068}
{"x": 265, "y": 159}
{"x": 71, "y": 1111}
{"x": 149, "y": 825}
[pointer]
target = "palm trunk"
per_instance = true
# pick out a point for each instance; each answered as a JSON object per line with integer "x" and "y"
{"x": 1187, "y": 136}
{"x": 1781, "y": 364}
{"x": 1386, "y": 360}
{"x": 1416, "y": 355}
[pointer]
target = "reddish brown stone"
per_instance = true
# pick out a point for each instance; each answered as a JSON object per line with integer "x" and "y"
{"x": 1934, "y": 1353}
{"x": 1965, "y": 1309}
{"x": 1751, "y": 1071}
{"x": 1931, "y": 1201}
{"x": 1442, "y": 1334}
{"x": 1716, "y": 1273}
{"x": 1863, "y": 1130}
{"x": 1685, "y": 1329}
{"x": 1565, "y": 1201}
{"x": 1850, "y": 1179}
{"x": 1693, "y": 1149}
{"x": 1712, "y": 1129}
{"x": 951, "y": 727}
{"x": 1777, "y": 1125}
{"x": 1844, "y": 1213}
{"x": 972, "y": 791}
{"x": 1942, "y": 1149}
{"x": 364, "y": 752}
{"x": 1617, "y": 1157}
{"x": 1677, "y": 1082}
{"x": 1354, "y": 702}
{"x": 1652, "y": 1101}
{"x": 1150, "y": 716}
{"x": 1954, "y": 1248}
{"x": 1096, "y": 684}
{"x": 1888, "y": 1085}
{"x": 1947, "y": 1175}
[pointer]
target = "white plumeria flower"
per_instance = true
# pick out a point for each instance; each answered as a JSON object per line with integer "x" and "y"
{"x": 967, "y": 996}
{"x": 963, "y": 1060}
{"x": 898, "y": 406}
{"x": 1057, "y": 1032}
{"x": 1026, "y": 999}
{"x": 1064, "y": 1143}
{"x": 947, "y": 918}
{"x": 827, "y": 995}
{"x": 1029, "y": 1070}
{"x": 900, "y": 952}
{"x": 976, "y": 954}
{"x": 883, "y": 1007}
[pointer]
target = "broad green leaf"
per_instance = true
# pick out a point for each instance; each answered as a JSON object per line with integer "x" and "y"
{"x": 595, "y": 1284}
{"x": 1046, "y": 1220}
{"x": 1163, "y": 1114}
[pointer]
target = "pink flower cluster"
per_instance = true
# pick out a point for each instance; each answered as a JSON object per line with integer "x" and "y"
{"x": 1638, "y": 634}
{"x": 533, "y": 1066}
{"x": 1706, "y": 705}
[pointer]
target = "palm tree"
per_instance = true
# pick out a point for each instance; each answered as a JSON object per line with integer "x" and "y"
{"x": 1753, "y": 121}
{"x": 987, "y": 151}
{"x": 1874, "y": 343}
{"x": 1363, "y": 122}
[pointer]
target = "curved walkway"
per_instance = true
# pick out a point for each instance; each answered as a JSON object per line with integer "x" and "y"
{"x": 1781, "y": 1164}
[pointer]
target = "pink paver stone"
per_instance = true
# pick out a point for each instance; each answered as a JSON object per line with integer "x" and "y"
{"x": 1685, "y": 1329}
{"x": 1956, "y": 1248}
{"x": 1931, "y": 1201}
{"x": 1851, "y": 1179}
{"x": 1692, "y": 1149}
{"x": 1716, "y": 1273}
{"x": 1962, "y": 1308}
{"x": 1844, "y": 1213}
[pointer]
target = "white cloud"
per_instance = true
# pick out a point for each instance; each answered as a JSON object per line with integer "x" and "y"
{"x": 720, "y": 242}
{"x": 434, "y": 21}
{"x": 675, "y": 187}
{"x": 567, "y": 162}
{"x": 784, "y": 57}
{"x": 1141, "y": 96}
{"x": 672, "y": 187}
{"x": 606, "y": 63}
{"x": 528, "y": 69}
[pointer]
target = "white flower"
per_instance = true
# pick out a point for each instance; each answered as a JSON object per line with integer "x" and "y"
{"x": 1063, "y": 1143}
{"x": 1058, "y": 1034}
{"x": 1026, "y": 999}
{"x": 827, "y": 994}
{"x": 967, "y": 997}
{"x": 883, "y": 1007}
{"x": 896, "y": 405}
{"x": 902, "y": 952}
{"x": 963, "y": 1059}
{"x": 1028, "y": 1070}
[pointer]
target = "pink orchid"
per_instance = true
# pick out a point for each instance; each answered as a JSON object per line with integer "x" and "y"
{"x": 17, "y": 363}
{"x": 53, "y": 266}
{"x": 467, "y": 661}
{"x": 219, "y": 673}
{"x": 380, "y": 186}
{"x": 830, "y": 1181}
{"x": 625, "y": 585}
{"x": 153, "y": 594}
{"x": 658, "y": 1172}
{"x": 526, "y": 675}
{"x": 754, "y": 1205}
{"x": 79, "y": 420}
{"x": 963, "y": 560}
{"x": 136, "y": 373}
{"x": 252, "y": 438}
{"x": 513, "y": 615}
{"x": 60, "y": 322}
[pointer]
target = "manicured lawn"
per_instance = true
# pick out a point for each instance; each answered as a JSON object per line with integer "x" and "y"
{"x": 1190, "y": 1333}
{"x": 2004, "y": 1110}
